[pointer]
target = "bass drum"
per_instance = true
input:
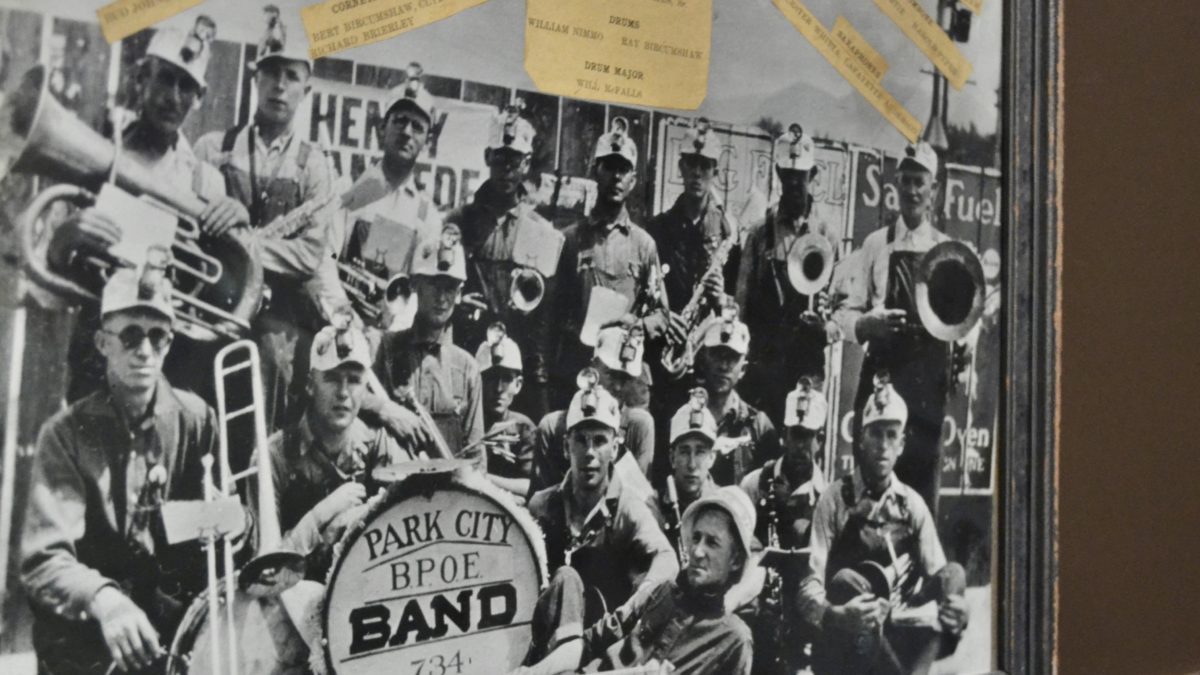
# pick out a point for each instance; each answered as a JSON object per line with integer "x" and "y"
{"x": 440, "y": 576}
{"x": 268, "y": 639}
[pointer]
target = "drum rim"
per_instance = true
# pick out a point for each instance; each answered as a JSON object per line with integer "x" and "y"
{"x": 426, "y": 484}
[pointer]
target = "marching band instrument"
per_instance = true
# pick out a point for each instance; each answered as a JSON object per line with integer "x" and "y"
{"x": 674, "y": 520}
{"x": 810, "y": 267}
{"x": 409, "y": 400}
{"x": 372, "y": 294}
{"x": 218, "y": 283}
{"x": 527, "y": 290}
{"x": 297, "y": 220}
{"x": 950, "y": 290}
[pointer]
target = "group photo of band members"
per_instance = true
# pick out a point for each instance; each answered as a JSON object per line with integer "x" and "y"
{"x": 745, "y": 419}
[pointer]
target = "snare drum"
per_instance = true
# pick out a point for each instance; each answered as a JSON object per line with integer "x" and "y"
{"x": 441, "y": 576}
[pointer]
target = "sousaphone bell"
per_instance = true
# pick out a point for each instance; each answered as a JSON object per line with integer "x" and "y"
{"x": 950, "y": 290}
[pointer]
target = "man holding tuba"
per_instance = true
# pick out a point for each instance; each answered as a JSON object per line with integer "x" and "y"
{"x": 104, "y": 586}
{"x": 512, "y": 256}
{"x": 881, "y": 313}
{"x": 789, "y": 327}
{"x": 273, "y": 173}
{"x": 170, "y": 81}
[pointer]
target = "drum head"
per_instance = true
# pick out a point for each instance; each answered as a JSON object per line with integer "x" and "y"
{"x": 444, "y": 570}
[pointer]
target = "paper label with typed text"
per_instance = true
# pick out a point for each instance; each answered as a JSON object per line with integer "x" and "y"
{"x": 120, "y": 19}
{"x": 338, "y": 25}
{"x": 929, "y": 38}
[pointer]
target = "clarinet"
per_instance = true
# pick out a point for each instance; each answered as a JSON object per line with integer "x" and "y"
{"x": 673, "y": 521}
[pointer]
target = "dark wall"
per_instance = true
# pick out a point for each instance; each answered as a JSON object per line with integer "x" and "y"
{"x": 1130, "y": 453}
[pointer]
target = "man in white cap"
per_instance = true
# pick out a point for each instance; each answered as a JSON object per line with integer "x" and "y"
{"x": 422, "y": 364}
{"x": 790, "y": 333}
{"x": 609, "y": 536}
{"x": 617, "y": 361}
{"x": 386, "y": 214}
{"x": 322, "y": 462}
{"x": 746, "y": 438}
{"x": 868, "y": 524}
{"x": 503, "y": 237}
{"x": 880, "y": 312}
{"x": 608, "y": 250}
{"x": 683, "y": 621}
{"x": 104, "y": 587}
{"x": 510, "y": 455}
{"x": 785, "y": 493}
{"x": 169, "y": 83}
{"x": 693, "y": 433}
{"x": 273, "y": 171}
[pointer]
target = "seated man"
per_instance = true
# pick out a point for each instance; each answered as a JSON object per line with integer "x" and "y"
{"x": 105, "y": 589}
{"x": 785, "y": 492}
{"x": 682, "y": 621}
{"x": 322, "y": 462}
{"x": 509, "y": 455}
{"x": 693, "y": 432}
{"x": 618, "y": 361}
{"x": 867, "y": 522}
{"x": 591, "y": 527}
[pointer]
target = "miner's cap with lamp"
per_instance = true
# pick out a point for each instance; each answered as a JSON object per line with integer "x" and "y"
{"x": 274, "y": 43}
{"x": 190, "y": 50}
{"x": 700, "y": 141}
{"x": 333, "y": 347}
{"x": 441, "y": 256}
{"x": 795, "y": 150}
{"x": 509, "y": 130}
{"x": 412, "y": 93}
{"x": 885, "y": 404}
{"x": 498, "y": 350}
{"x": 146, "y": 288}
{"x": 727, "y": 331}
{"x": 694, "y": 418}
{"x": 622, "y": 349}
{"x": 805, "y": 407}
{"x": 920, "y": 155}
{"x": 734, "y": 502}
{"x": 617, "y": 142}
{"x": 592, "y": 403}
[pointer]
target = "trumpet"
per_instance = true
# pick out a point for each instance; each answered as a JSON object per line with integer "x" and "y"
{"x": 218, "y": 283}
{"x": 372, "y": 294}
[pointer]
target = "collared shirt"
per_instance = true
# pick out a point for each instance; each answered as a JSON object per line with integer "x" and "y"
{"x": 74, "y": 539}
{"x": 671, "y": 622}
{"x": 379, "y": 222}
{"x": 742, "y": 420}
{"x": 441, "y": 376}
{"x": 296, "y": 257}
{"x": 306, "y": 472}
{"x": 897, "y": 504}
{"x": 513, "y": 459}
{"x": 619, "y": 528}
{"x": 866, "y": 289}
{"x": 550, "y": 459}
{"x": 686, "y": 245}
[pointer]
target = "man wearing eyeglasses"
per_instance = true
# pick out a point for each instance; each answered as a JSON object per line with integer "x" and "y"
{"x": 104, "y": 586}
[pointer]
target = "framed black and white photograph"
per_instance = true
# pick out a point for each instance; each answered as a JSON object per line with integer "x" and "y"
{"x": 514, "y": 336}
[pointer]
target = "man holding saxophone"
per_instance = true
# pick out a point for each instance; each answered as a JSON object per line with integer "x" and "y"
{"x": 104, "y": 586}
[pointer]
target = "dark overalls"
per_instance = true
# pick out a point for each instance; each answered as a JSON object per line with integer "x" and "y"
{"x": 919, "y": 367}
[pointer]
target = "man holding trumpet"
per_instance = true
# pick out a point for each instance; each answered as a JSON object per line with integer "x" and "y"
{"x": 103, "y": 584}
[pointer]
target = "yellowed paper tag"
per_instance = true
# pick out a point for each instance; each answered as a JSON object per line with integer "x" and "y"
{"x": 862, "y": 50}
{"x": 120, "y": 19}
{"x": 929, "y": 38}
{"x": 973, "y": 5}
{"x": 850, "y": 67}
{"x": 646, "y": 52}
{"x": 337, "y": 25}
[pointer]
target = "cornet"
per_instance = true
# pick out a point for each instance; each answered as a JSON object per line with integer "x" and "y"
{"x": 372, "y": 295}
{"x": 218, "y": 283}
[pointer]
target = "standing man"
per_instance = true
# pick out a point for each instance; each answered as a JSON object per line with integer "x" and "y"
{"x": 609, "y": 537}
{"x": 422, "y": 364}
{"x": 510, "y": 456}
{"x": 881, "y": 313}
{"x": 617, "y": 362}
{"x": 867, "y": 521}
{"x": 104, "y": 587}
{"x": 272, "y": 171}
{"x": 505, "y": 238}
{"x": 789, "y": 328}
{"x": 685, "y": 622}
{"x": 322, "y": 463}
{"x": 170, "y": 81}
{"x": 608, "y": 250}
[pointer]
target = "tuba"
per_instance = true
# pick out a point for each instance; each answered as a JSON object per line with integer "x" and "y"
{"x": 218, "y": 282}
{"x": 950, "y": 290}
